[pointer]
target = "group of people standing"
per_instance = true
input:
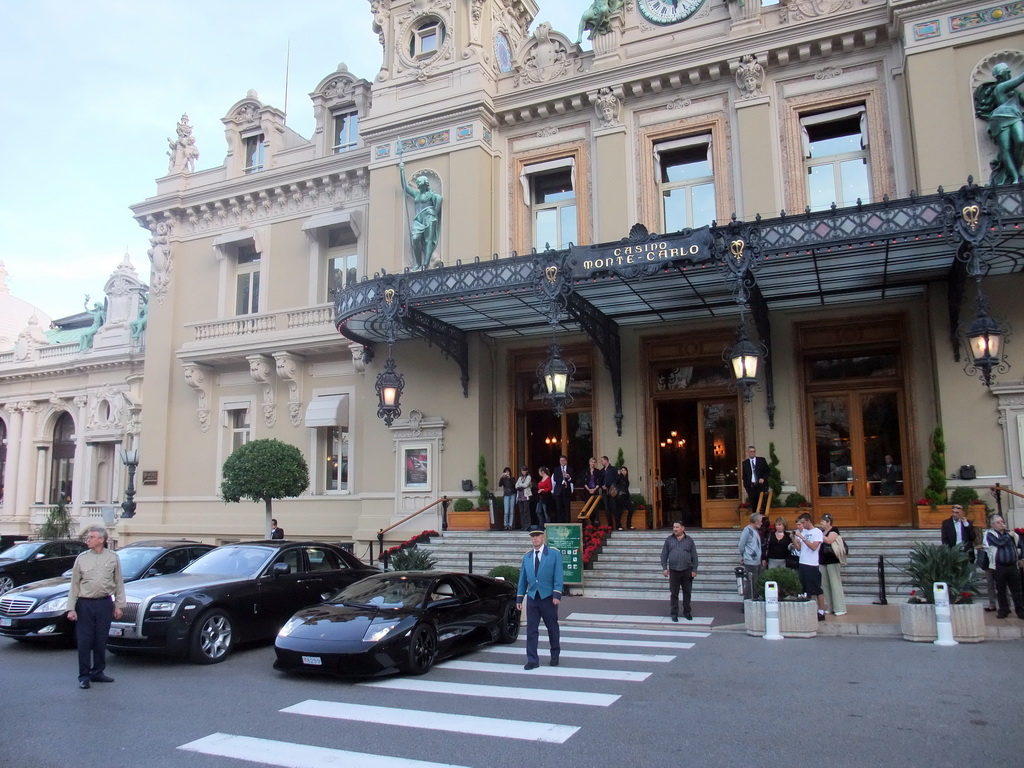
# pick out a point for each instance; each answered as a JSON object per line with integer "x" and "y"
{"x": 997, "y": 551}
{"x": 550, "y": 499}
{"x": 818, "y": 563}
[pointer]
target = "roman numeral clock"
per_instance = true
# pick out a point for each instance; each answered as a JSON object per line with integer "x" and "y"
{"x": 668, "y": 11}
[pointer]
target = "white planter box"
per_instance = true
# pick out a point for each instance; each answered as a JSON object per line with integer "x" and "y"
{"x": 796, "y": 619}
{"x": 917, "y": 622}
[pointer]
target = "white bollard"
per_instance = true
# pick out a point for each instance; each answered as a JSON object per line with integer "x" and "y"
{"x": 771, "y": 611}
{"x": 943, "y": 615}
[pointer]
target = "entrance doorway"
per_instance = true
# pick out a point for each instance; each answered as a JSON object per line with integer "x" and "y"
{"x": 696, "y": 461}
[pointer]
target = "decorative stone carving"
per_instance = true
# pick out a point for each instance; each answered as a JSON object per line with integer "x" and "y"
{"x": 607, "y": 106}
{"x": 827, "y": 73}
{"x": 160, "y": 264}
{"x": 678, "y": 103}
{"x": 407, "y": 23}
{"x": 359, "y": 358}
{"x": 198, "y": 377}
{"x": 290, "y": 369}
{"x": 544, "y": 58}
{"x": 749, "y": 77}
{"x": 798, "y": 10}
{"x": 30, "y": 339}
{"x": 261, "y": 368}
{"x": 183, "y": 151}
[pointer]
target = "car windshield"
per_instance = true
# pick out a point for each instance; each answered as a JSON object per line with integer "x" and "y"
{"x": 20, "y": 551}
{"x": 233, "y": 560}
{"x": 386, "y": 592}
{"x": 135, "y": 559}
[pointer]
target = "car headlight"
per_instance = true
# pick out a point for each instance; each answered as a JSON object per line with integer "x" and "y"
{"x": 379, "y": 630}
{"x": 53, "y": 605}
{"x": 165, "y": 606}
{"x": 289, "y": 626}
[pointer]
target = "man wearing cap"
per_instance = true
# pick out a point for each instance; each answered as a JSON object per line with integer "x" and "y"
{"x": 540, "y": 580}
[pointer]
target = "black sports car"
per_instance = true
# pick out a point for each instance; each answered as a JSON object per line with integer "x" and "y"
{"x": 38, "y": 611}
{"x": 29, "y": 561}
{"x": 235, "y": 593}
{"x": 400, "y": 620}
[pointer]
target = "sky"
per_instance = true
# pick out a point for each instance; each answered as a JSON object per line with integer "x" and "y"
{"x": 92, "y": 90}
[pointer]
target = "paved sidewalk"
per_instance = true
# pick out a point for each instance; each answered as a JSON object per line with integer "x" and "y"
{"x": 861, "y": 620}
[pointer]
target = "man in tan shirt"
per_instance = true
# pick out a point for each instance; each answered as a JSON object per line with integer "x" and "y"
{"x": 96, "y": 597}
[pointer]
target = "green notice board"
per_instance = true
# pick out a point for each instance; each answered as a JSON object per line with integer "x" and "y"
{"x": 567, "y": 538}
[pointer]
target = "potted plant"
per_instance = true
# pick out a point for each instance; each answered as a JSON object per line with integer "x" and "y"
{"x": 641, "y": 509}
{"x": 930, "y": 564}
{"x": 932, "y": 508}
{"x": 774, "y": 476}
{"x": 798, "y": 616}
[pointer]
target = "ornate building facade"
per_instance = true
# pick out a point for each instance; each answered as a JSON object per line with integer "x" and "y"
{"x": 493, "y": 191}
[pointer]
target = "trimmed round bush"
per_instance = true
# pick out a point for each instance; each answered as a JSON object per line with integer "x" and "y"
{"x": 786, "y": 578}
{"x": 507, "y": 572}
{"x": 463, "y": 505}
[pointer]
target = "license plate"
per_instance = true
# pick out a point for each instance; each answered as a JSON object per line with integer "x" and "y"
{"x": 116, "y": 632}
{"x": 6, "y": 623}
{"x": 312, "y": 661}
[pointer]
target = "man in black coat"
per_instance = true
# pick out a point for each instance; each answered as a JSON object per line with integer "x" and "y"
{"x": 755, "y": 476}
{"x": 958, "y": 533}
{"x": 561, "y": 489}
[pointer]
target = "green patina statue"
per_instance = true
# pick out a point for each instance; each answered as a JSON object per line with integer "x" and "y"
{"x": 99, "y": 316}
{"x": 138, "y": 326}
{"x": 425, "y": 228}
{"x": 597, "y": 18}
{"x": 999, "y": 103}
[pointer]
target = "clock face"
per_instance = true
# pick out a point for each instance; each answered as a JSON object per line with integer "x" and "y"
{"x": 668, "y": 11}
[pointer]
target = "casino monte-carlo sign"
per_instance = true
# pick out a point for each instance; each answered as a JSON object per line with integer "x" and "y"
{"x": 643, "y": 253}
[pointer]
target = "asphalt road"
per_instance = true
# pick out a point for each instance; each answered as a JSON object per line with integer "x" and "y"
{"x": 727, "y": 700}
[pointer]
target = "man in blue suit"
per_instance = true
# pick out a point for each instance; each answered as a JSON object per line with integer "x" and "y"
{"x": 540, "y": 579}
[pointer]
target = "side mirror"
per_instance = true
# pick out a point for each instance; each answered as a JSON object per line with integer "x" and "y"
{"x": 281, "y": 569}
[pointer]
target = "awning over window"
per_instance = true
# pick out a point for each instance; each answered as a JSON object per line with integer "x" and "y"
{"x": 327, "y": 411}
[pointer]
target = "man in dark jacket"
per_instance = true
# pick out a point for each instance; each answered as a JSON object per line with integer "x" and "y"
{"x": 755, "y": 476}
{"x": 561, "y": 489}
{"x": 958, "y": 533}
{"x": 1004, "y": 557}
{"x": 679, "y": 564}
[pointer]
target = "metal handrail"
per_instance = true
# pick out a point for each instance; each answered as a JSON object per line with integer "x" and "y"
{"x": 444, "y": 501}
{"x": 997, "y": 491}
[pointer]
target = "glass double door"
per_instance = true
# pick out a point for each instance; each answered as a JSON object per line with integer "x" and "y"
{"x": 696, "y": 462}
{"x": 858, "y": 457}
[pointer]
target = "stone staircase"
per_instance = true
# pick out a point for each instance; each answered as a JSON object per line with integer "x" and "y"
{"x": 629, "y": 563}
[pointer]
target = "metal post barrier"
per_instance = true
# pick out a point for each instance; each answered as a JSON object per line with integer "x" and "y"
{"x": 470, "y": 562}
{"x": 741, "y": 580}
{"x": 881, "y": 582}
{"x": 943, "y": 615}
{"x": 771, "y": 611}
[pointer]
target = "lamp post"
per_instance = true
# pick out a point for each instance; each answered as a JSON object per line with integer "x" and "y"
{"x": 984, "y": 341}
{"x": 130, "y": 458}
{"x": 556, "y": 374}
{"x": 744, "y": 357}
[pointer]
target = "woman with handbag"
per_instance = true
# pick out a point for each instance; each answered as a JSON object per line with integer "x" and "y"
{"x": 828, "y": 564}
{"x": 776, "y": 548}
{"x": 624, "y": 502}
{"x": 524, "y": 484}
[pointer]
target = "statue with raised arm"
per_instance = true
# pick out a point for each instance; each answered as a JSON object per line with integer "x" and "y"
{"x": 597, "y": 18}
{"x": 183, "y": 151}
{"x": 999, "y": 103}
{"x": 425, "y": 228}
{"x": 99, "y": 317}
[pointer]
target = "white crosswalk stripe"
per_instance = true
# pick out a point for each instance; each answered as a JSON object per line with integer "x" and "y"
{"x": 437, "y": 721}
{"x": 648, "y": 658}
{"x": 570, "y": 637}
{"x": 633, "y": 632}
{"x": 576, "y": 673}
{"x": 496, "y": 691}
{"x": 627, "y": 619}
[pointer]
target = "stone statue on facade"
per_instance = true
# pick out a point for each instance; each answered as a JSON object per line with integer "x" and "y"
{"x": 607, "y": 108}
{"x": 138, "y": 325}
{"x": 749, "y": 77}
{"x": 597, "y": 18}
{"x": 999, "y": 103}
{"x": 425, "y": 228}
{"x": 99, "y": 316}
{"x": 183, "y": 151}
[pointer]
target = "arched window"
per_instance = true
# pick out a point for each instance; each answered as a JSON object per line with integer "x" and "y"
{"x": 63, "y": 458}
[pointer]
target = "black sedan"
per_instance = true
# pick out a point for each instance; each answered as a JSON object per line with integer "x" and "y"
{"x": 29, "y": 561}
{"x": 38, "y": 611}
{"x": 401, "y": 620}
{"x": 236, "y": 593}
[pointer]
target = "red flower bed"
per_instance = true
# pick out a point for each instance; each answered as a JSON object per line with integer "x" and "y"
{"x": 593, "y": 538}
{"x": 424, "y": 536}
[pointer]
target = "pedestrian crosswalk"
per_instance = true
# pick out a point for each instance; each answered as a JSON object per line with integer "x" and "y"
{"x": 603, "y": 660}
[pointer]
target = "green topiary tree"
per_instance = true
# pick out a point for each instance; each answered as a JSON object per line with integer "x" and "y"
{"x": 484, "y": 491}
{"x": 462, "y": 505}
{"x": 786, "y": 578}
{"x": 264, "y": 470}
{"x": 620, "y": 460}
{"x": 963, "y": 496}
{"x": 507, "y": 572}
{"x": 936, "y": 490}
{"x": 58, "y": 523}
{"x": 774, "y": 476}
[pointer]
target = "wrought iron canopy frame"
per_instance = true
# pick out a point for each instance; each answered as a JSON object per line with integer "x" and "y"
{"x": 878, "y": 251}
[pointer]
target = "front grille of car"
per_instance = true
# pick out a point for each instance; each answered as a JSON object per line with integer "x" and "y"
{"x": 129, "y": 613}
{"x": 16, "y": 606}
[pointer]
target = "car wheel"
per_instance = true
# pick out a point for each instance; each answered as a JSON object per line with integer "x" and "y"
{"x": 6, "y": 583}
{"x": 508, "y": 626}
{"x": 212, "y": 638}
{"x": 422, "y": 650}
